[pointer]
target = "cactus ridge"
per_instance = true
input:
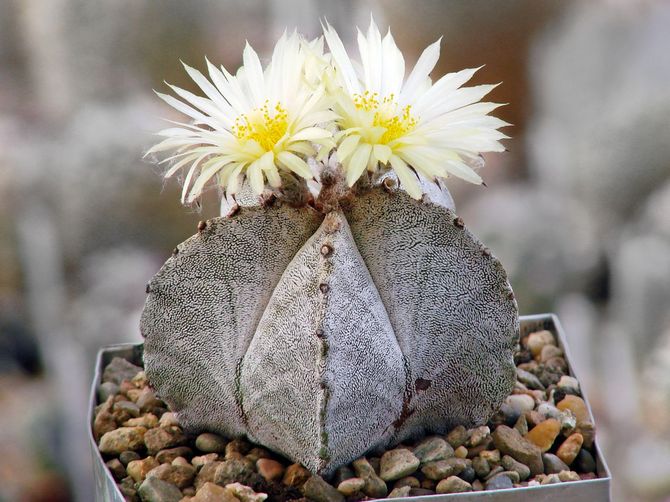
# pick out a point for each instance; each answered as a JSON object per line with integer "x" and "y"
{"x": 324, "y": 336}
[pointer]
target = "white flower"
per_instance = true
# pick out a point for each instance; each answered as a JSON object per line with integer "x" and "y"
{"x": 436, "y": 128}
{"x": 256, "y": 123}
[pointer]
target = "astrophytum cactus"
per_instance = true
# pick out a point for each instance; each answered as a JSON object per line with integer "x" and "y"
{"x": 346, "y": 307}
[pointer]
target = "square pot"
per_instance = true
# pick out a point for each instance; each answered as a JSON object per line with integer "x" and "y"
{"x": 593, "y": 490}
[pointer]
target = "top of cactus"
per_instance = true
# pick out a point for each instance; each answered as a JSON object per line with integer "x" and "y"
{"x": 309, "y": 112}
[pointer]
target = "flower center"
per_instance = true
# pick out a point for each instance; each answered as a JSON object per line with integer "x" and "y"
{"x": 387, "y": 115}
{"x": 264, "y": 125}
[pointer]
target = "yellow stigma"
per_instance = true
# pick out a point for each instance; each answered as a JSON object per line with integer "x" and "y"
{"x": 262, "y": 126}
{"x": 386, "y": 115}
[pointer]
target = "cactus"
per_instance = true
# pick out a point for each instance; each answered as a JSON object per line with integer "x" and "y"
{"x": 346, "y": 308}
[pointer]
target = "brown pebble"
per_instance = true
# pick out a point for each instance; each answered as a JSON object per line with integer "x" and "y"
{"x": 577, "y": 405}
{"x": 270, "y": 469}
{"x": 549, "y": 352}
{"x": 168, "y": 455}
{"x": 210, "y": 492}
{"x": 544, "y": 434}
{"x": 569, "y": 450}
{"x": 138, "y": 469}
{"x": 461, "y": 452}
{"x": 295, "y": 475}
{"x": 179, "y": 475}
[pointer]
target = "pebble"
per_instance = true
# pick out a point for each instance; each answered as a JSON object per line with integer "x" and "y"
{"x": 210, "y": 492}
{"x": 520, "y": 403}
{"x": 588, "y": 432}
{"x": 105, "y": 390}
{"x": 271, "y": 470}
{"x": 410, "y": 481}
{"x": 577, "y": 405}
{"x": 162, "y": 438}
{"x": 351, "y": 486}
{"x": 157, "y": 490}
{"x": 549, "y": 411}
{"x": 457, "y": 436}
{"x": 544, "y": 434}
{"x": 317, "y": 489}
{"x": 374, "y": 485}
{"x": 568, "y": 476}
{"x": 569, "y": 450}
{"x": 478, "y": 435}
{"x": 510, "y": 442}
{"x": 553, "y": 464}
{"x": 441, "y": 469}
{"x": 397, "y": 463}
{"x": 124, "y": 438}
{"x": 494, "y": 472}
{"x": 584, "y": 461}
{"x": 492, "y": 456}
{"x": 230, "y": 471}
{"x": 209, "y": 442}
{"x": 521, "y": 425}
{"x": 148, "y": 421}
{"x": 128, "y": 407}
{"x": 569, "y": 385}
{"x": 201, "y": 460}
{"x": 138, "y": 469}
{"x": 237, "y": 448}
{"x": 453, "y": 484}
{"x": 461, "y": 452}
{"x": 128, "y": 456}
{"x": 245, "y": 493}
{"x": 481, "y": 467}
{"x": 147, "y": 400}
{"x": 550, "y": 479}
{"x": 550, "y": 352}
{"x": 179, "y": 475}
{"x": 512, "y": 465}
{"x": 119, "y": 370}
{"x": 528, "y": 379}
{"x": 499, "y": 482}
{"x": 401, "y": 491}
{"x": 206, "y": 474}
{"x": 257, "y": 453}
{"x": 104, "y": 420}
{"x": 468, "y": 474}
{"x": 433, "y": 448}
{"x": 168, "y": 455}
{"x": 295, "y": 475}
{"x": 117, "y": 469}
{"x": 536, "y": 341}
{"x": 168, "y": 419}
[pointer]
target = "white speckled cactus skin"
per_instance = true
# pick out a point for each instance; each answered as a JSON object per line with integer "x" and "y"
{"x": 324, "y": 334}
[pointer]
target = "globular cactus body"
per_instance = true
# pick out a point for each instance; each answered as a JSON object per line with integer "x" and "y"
{"x": 322, "y": 335}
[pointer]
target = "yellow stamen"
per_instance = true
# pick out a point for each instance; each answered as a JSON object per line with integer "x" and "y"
{"x": 262, "y": 126}
{"x": 386, "y": 116}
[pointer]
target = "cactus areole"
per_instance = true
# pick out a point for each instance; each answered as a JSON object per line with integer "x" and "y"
{"x": 338, "y": 314}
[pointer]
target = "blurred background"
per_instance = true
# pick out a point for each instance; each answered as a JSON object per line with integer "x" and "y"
{"x": 578, "y": 210}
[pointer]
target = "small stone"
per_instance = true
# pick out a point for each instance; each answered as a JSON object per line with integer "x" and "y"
{"x": 521, "y": 425}
{"x": 127, "y": 489}
{"x": 510, "y": 442}
{"x": 568, "y": 421}
{"x": 565, "y": 476}
{"x": 374, "y": 485}
{"x": 549, "y": 352}
{"x": 168, "y": 419}
{"x": 397, "y": 463}
{"x": 520, "y": 403}
{"x": 468, "y": 474}
{"x": 124, "y": 438}
{"x": 401, "y": 491}
{"x": 245, "y": 493}
{"x": 351, "y": 486}
{"x": 584, "y": 461}
{"x": 295, "y": 475}
{"x": 457, "y": 437}
{"x": 453, "y": 484}
{"x": 148, "y": 421}
{"x": 236, "y": 448}
{"x": 441, "y": 469}
{"x": 512, "y": 475}
{"x": 588, "y": 432}
{"x": 162, "y": 438}
{"x": 410, "y": 481}
{"x": 528, "y": 379}
{"x": 477, "y": 485}
{"x": 140, "y": 380}
{"x": 494, "y": 472}
{"x": 210, "y": 492}
{"x": 431, "y": 449}
{"x": 317, "y": 489}
{"x": 550, "y": 479}
{"x": 233, "y": 470}
{"x": 478, "y": 435}
{"x": 271, "y": 470}
{"x": 569, "y": 450}
{"x": 127, "y": 406}
{"x": 128, "y": 456}
{"x": 577, "y": 405}
{"x": 461, "y": 452}
{"x": 544, "y": 434}
{"x": 558, "y": 366}
{"x": 209, "y": 442}
{"x": 138, "y": 469}
{"x": 119, "y": 370}
{"x": 533, "y": 418}
{"x": 180, "y": 476}
{"x": 168, "y": 455}
{"x": 553, "y": 464}
{"x": 157, "y": 490}
{"x": 491, "y": 456}
{"x": 133, "y": 394}
{"x": 549, "y": 411}
{"x": 481, "y": 467}
{"x": 116, "y": 468}
{"x": 257, "y": 453}
{"x": 104, "y": 421}
{"x": 499, "y": 482}
{"x": 536, "y": 341}
{"x": 147, "y": 400}
{"x": 206, "y": 474}
{"x": 569, "y": 385}
{"x": 512, "y": 465}
{"x": 105, "y": 390}
{"x": 201, "y": 460}
{"x": 181, "y": 461}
